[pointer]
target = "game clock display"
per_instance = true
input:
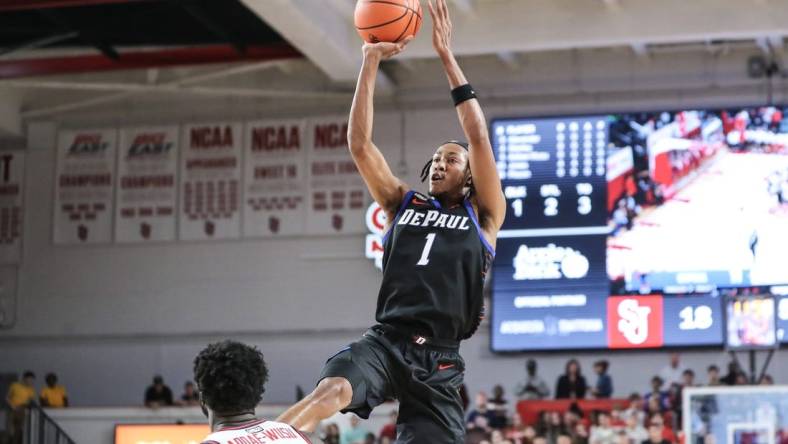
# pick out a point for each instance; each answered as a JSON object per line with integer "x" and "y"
{"x": 624, "y": 231}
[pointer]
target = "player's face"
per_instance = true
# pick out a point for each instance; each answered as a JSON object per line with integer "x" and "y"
{"x": 448, "y": 173}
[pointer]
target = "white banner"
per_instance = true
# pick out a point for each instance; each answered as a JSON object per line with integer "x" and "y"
{"x": 84, "y": 186}
{"x": 337, "y": 194}
{"x": 12, "y": 179}
{"x": 147, "y": 193}
{"x": 274, "y": 178}
{"x": 210, "y": 177}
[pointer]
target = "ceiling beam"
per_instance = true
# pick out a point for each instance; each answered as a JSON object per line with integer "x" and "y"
{"x": 39, "y": 42}
{"x": 216, "y": 28}
{"x": 197, "y": 55}
{"x": 6, "y": 5}
{"x": 550, "y": 25}
{"x": 323, "y": 35}
{"x": 181, "y": 85}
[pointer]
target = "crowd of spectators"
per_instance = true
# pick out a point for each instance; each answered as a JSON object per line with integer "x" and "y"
{"x": 652, "y": 416}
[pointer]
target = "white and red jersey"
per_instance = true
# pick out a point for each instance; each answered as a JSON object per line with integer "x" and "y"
{"x": 257, "y": 432}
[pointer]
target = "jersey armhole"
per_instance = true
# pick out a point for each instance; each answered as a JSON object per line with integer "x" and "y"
{"x": 472, "y": 214}
{"x": 402, "y": 206}
{"x": 303, "y": 436}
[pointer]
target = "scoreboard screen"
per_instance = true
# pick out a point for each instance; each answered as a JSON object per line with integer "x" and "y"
{"x": 625, "y": 231}
{"x": 552, "y": 171}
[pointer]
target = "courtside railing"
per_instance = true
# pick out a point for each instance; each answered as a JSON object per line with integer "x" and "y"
{"x": 41, "y": 429}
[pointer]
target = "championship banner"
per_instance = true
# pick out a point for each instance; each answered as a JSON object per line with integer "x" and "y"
{"x": 147, "y": 193}
{"x": 337, "y": 193}
{"x": 210, "y": 177}
{"x": 274, "y": 178}
{"x": 12, "y": 179}
{"x": 84, "y": 186}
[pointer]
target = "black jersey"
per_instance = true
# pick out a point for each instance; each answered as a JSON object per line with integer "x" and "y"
{"x": 435, "y": 261}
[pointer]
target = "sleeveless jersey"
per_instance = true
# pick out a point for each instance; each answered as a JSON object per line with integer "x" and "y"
{"x": 257, "y": 432}
{"x": 435, "y": 261}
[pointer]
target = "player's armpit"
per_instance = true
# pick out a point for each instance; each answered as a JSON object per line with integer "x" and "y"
{"x": 385, "y": 188}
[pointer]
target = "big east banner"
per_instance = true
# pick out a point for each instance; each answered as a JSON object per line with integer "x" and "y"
{"x": 210, "y": 181}
{"x": 84, "y": 186}
{"x": 146, "y": 195}
{"x": 12, "y": 171}
{"x": 274, "y": 178}
{"x": 337, "y": 194}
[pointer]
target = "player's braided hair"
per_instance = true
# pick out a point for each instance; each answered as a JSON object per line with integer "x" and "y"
{"x": 231, "y": 376}
{"x": 425, "y": 170}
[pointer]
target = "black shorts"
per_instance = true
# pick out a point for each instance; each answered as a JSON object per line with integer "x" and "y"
{"x": 424, "y": 378}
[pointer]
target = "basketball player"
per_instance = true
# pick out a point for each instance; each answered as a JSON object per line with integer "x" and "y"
{"x": 437, "y": 251}
{"x": 230, "y": 378}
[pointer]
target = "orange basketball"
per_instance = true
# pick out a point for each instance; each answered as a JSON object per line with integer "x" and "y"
{"x": 387, "y": 20}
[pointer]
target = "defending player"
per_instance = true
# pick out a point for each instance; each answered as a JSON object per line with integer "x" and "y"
{"x": 436, "y": 255}
{"x": 230, "y": 377}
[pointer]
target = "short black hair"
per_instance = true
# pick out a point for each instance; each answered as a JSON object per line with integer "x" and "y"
{"x": 28, "y": 374}
{"x": 230, "y": 376}
{"x": 50, "y": 377}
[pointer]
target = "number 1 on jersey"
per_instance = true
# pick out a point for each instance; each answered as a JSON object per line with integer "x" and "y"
{"x": 425, "y": 254}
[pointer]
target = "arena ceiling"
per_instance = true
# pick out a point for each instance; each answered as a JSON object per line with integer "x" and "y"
{"x": 63, "y": 56}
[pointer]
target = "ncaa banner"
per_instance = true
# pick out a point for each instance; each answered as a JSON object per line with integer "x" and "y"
{"x": 274, "y": 178}
{"x": 147, "y": 193}
{"x": 84, "y": 186}
{"x": 12, "y": 179}
{"x": 210, "y": 180}
{"x": 337, "y": 196}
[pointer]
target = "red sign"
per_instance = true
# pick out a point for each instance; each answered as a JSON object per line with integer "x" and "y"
{"x": 634, "y": 321}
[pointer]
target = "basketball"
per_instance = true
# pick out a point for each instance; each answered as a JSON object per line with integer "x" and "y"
{"x": 387, "y": 21}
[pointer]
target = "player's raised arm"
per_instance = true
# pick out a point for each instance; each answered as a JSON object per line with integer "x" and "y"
{"x": 386, "y": 189}
{"x": 487, "y": 184}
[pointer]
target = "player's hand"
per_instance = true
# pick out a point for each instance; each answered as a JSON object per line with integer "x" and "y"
{"x": 386, "y": 50}
{"x": 441, "y": 26}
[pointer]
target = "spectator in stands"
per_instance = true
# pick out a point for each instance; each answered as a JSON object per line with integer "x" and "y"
{"x": 54, "y": 394}
{"x": 534, "y": 386}
{"x": 687, "y": 380}
{"x": 766, "y": 380}
{"x": 741, "y": 379}
{"x": 713, "y": 373}
{"x": 658, "y": 421}
{"x": 571, "y": 384}
{"x": 190, "y": 397}
{"x": 480, "y": 417}
{"x": 330, "y": 434}
{"x": 518, "y": 432}
{"x": 390, "y": 429}
{"x": 604, "y": 383}
{"x": 636, "y": 409}
{"x": 671, "y": 373}
{"x": 564, "y": 439}
{"x": 602, "y": 431}
{"x": 655, "y": 435}
{"x": 733, "y": 374}
{"x": 19, "y": 396}
{"x": 539, "y": 440}
{"x": 657, "y": 393}
{"x": 635, "y": 430}
{"x": 369, "y": 439}
{"x": 550, "y": 426}
{"x": 498, "y": 407}
{"x": 355, "y": 434}
{"x": 158, "y": 394}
